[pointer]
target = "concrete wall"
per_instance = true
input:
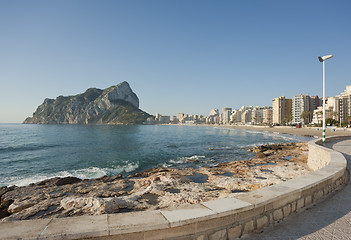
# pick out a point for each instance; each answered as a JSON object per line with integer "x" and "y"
{"x": 227, "y": 218}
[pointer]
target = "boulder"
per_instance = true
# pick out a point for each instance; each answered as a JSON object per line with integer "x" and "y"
{"x": 67, "y": 180}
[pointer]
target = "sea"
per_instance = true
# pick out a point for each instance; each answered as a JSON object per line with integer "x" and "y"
{"x": 31, "y": 153}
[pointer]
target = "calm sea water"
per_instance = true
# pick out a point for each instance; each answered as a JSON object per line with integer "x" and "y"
{"x": 31, "y": 153}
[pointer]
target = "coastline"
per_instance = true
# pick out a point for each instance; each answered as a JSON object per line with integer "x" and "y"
{"x": 315, "y": 132}
{"x": 161, "y": 188}
{"x": 156, "y": 188}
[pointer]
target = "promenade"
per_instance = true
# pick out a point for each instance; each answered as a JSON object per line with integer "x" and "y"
{"x": 330, "y": 219}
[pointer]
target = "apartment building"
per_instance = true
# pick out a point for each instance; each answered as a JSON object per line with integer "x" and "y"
{"x": 268, "y": 115}
{"x": 300, "y": 103}
{"x": 281, "y": 110}
{"x": 344, "y": 105}
{"x": 226, "y": 113}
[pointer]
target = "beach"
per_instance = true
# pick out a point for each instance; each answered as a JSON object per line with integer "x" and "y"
{"x": 315, "y": 132}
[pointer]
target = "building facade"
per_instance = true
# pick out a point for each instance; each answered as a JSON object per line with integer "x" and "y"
{"x": 226, "y": 113}
{"x": 268, "y": 115}
{"x": 344, "y": 105}
{"x": 281, "y": 110}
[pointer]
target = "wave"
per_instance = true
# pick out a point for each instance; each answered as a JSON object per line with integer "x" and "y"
{"x": 182, "y": 160}
{"x": 85, "y": 173}
{"x": 221, "y": 148}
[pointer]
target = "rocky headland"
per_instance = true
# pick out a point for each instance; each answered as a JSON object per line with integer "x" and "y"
{"x": 114, "y": 105}
{"x": 153, "y": 188}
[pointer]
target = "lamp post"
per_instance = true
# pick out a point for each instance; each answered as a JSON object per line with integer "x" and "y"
{"x": 322, "y": 59}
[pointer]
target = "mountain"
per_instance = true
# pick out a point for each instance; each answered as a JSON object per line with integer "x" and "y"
{"x": 114, "y": 105}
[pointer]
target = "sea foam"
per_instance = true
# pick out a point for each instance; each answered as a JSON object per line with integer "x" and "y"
{"x": 85, "y": 173}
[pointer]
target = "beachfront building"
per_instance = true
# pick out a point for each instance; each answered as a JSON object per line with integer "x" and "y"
{"x": 344, "y": 105}
{"x": 315, "y": 102}
{"x": 174, "y": 119}
{"x": 213, "y": 118}
{"x": 267, "y": 115}
{"x": 257, "y": 115}
{"x": 182, "y": 117}
{"x": 337, "y": 108}
{"x": 300, "y": 103}
{"x": 281, "y": 110}
{"x": 246, "y": 116}
{"x": 226, "y": 113}
{"x": 318, "y": 114}
{"x": 304, "y": 103}
{"x": 235, "y": 117}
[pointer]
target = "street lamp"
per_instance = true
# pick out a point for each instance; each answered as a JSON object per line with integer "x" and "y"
{"x": 322, "y": 59}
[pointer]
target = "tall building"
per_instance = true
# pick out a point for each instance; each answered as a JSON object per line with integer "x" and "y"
{"x": 226, "y": 113}
{"x": 300, "y": 103}
{"x": 315, "y": 102}
{"x": 246, "y": 116}
{"x": 344, "y": 105}
{"x": 281, "y": 110}
{"x": 267, "y": 115}
{"x": 214, "y": 112}
{"x": 257, "y": 115}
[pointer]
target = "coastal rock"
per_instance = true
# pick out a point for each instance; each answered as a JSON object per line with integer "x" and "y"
{"x": 114, "y": 105}
{"x": 67, "y": 180}
{"x": 157, "y": 188}
{"x": 19, "y": 206}
{"x": 86, "y": 205}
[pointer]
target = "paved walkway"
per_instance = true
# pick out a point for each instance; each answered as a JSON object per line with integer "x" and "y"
{"x": 330, "y": 219}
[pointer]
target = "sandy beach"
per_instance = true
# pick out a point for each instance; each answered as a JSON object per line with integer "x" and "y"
{"x": 304, "y": 131}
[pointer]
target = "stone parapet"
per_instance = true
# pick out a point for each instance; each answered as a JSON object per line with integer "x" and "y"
{"x": 228, "y": 218}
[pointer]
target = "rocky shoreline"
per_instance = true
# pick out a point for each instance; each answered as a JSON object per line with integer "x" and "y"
{"x": 156, "y": 188}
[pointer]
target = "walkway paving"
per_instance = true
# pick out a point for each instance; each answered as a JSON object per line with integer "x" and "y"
{"x": 330, "y": 219}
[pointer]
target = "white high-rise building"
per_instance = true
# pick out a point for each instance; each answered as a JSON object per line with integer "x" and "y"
{"x": 226, "y": 113}
{"x": 344, "y": 105}
{"x": 300, "y": 103}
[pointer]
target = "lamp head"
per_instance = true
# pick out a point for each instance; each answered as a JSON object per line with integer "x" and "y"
{"x": 322, "y": 59}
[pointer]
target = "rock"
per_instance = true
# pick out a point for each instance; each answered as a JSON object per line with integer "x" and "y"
{"x": 19, "y": 206}
{"x": 88, "y": 205}
{"x": 157, "y": 188}
{"x": 260, "y": 155}
{"x": 6, "y": 203}
{"x": 114, "y": 105}
{"x": 3, "y": 190}
{"x": 4, "y": 213}
{"x": 109, "y": 179}
{"x": 67, "y": 180}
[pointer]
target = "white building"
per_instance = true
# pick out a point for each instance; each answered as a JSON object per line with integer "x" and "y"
{"x": 344, "y": 105}
{"x": 300, "y": 103}
{"x": 226, "y": 113}
{"x": 268, "y": 115}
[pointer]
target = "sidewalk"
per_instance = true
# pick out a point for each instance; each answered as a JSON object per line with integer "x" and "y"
{"x": 330, "y": 219}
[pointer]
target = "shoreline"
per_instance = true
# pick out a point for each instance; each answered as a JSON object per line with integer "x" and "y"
{"x": 156, "y": 188}
{"x": 315, "y": 132}
{"x": 161, "y": 188}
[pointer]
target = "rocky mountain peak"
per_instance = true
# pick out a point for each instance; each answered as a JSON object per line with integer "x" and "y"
{"x": 115, "y": 105}
{"x": 122, "y": 92}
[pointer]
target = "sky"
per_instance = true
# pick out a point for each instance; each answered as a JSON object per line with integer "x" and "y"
{"x": 185, "y": 56}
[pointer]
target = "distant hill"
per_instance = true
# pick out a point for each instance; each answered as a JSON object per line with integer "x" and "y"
{"x": 114, "y": 105}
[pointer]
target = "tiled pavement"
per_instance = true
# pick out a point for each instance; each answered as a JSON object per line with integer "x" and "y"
{"x": 330, "y": 219}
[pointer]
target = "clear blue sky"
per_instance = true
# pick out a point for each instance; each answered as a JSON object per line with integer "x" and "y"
{"x": 178, "y": 56}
